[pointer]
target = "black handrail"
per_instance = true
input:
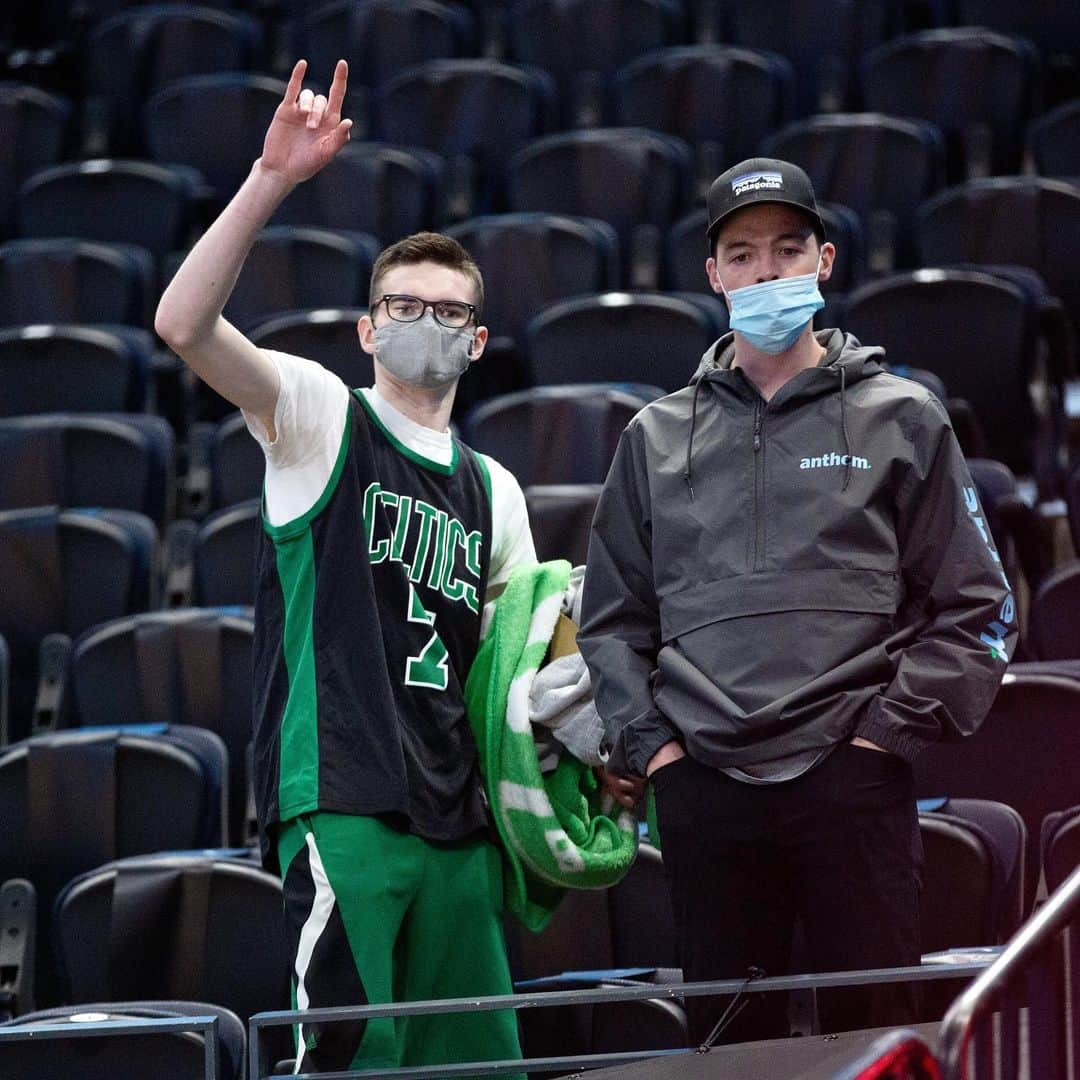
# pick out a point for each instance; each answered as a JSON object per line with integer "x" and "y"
{"x": 1030, "y": 973}
{"x": 258, "y": 1023}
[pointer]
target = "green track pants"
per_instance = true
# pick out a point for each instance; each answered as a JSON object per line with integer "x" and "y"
{"x": 376, "y": 915}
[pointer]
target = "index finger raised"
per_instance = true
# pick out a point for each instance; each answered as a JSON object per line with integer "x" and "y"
{"x": 337, "y": 90}
{"x": 296, "y": 79}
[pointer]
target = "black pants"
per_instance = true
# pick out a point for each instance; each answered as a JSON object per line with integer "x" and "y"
{"x": 837, "y": 848}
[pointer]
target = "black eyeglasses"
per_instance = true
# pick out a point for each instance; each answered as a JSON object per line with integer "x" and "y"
{"x": 453, "y": 314}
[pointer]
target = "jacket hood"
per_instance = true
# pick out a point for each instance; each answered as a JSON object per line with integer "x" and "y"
{"x": 841, "y": 350}
{"x": 845, "y": 362}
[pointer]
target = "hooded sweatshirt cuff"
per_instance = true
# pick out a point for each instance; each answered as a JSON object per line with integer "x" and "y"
{"x": 887, "y": 733}
{"x": 638, "y": 742}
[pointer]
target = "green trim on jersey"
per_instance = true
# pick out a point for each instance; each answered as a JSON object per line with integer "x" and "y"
{"x": 405, "y": 451}
{"x": 298, "y": 785}
{"x": 294, "y": 554}
{"x": 293, "y": 528}
{"x": 485, "y": 472}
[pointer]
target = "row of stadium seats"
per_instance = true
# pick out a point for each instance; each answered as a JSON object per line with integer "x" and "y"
{"x": 167, "y": 926}
{"x": 699, "y": 93}
{"x": 986, "y": 862}
{"x": 477, "y": 114}
{"x": 580, "y": 41}
{"x": 872, "y": 172}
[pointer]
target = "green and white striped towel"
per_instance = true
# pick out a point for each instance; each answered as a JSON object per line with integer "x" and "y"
{"x": 557, "y": 831}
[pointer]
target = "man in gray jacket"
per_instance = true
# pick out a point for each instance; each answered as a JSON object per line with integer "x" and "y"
{"x": 791, "y": 591}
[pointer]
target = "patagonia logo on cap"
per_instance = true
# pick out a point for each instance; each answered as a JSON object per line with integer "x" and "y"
{"x": 756, "y": 181}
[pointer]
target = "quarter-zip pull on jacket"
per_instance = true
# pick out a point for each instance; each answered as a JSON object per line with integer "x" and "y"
{"x": 767, "y": 579}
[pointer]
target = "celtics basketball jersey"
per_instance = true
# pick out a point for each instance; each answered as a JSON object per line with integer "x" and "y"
{"x": 367, "y": 619}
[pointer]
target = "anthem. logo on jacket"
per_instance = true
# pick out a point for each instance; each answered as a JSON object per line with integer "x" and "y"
{"x": 829, "y": 461}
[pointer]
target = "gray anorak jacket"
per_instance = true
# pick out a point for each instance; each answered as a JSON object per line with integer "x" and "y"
{"x": 766, "y": 579}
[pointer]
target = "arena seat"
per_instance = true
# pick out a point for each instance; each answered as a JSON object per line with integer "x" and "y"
{"x": 721, "y": 100}
{"x": 74, "y": 799}
{"x": 35, "y": 124}
{"x": 136, "y": 52}
{"x": 234, "y": 461}
{"x": 881, "y": 167}
{"x": 977, "y": 332}
{"x": 1051, "y": 25}
{"x": 646, "y": 338}
{"x": 636, "y": 180}
{"x": 1015, "y": 756}
{"x": 977, "y": 888}
{"x": 75, "y": 281}
{"x": 475, "y": 113}
{"x": 1025, "y": 221}
{"x": 1054, "y": 619}
{"x": 326, "y": 335}
{"x": 1060, "y": 845}
{"x": 52, "y": 368}
{"x": 1054, "y": 142}
{"x": 378, "y": 189}
{"x": 64, "y": 571}
{"x": 560, "y": 256}
{"x": 223, "y": 557}
{"x": 823, "y": 39}
{"x": 584, "y": 42}
{"x": 381, "y": 38}
{"x": 560, "y": 518}
{"x": 556, "y": 434}
{"x": 202, "y": 927}
{"x": 120, "y": 460}
{"x": 177, "y": 131}
{"x": 977, "y": 86}
{"x": 293, "y": 268}
{"x": 190, "y": 666}
{"x": 1072, "y": 502}
{"x": 165, "y": 1057}
{"x": 115, "y": 201}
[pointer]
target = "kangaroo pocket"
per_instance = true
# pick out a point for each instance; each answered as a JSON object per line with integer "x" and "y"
{"x": 760, "y": 666}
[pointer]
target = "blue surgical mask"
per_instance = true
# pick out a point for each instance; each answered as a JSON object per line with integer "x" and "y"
{"x": 772, "y": 314}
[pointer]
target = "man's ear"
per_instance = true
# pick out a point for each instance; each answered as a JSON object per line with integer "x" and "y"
{"x": 479, "y": 343}
{"x": 713, "y": 276}
{"x": 712, "y": 272}
{"x": 828, "y": 257}
{"x": 365, "y": 330}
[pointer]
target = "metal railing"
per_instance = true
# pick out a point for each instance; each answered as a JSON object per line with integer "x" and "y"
{"x": 206, "y": 1026}
{"x": 259, "y": 1067}
{"x": 1021, "y": 1015}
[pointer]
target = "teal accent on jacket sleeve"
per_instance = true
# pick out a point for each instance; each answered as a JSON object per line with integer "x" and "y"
{"x": 958, "y": 599}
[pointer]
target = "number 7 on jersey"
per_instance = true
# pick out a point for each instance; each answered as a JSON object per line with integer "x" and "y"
{"x": 429, "y": 668}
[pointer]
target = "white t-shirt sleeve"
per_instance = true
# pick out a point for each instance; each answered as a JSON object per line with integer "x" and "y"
{"x": 309, "y": 420}
{"x": 511, "y": 539}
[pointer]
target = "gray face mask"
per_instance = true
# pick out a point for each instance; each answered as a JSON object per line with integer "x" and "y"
{"x": 423, "y": 353}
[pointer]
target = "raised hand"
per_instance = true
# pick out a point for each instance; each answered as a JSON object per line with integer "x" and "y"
{"x": 307, "y": 129}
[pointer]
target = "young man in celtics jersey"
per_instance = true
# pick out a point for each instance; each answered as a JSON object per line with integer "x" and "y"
{"x": 382, "y": 536}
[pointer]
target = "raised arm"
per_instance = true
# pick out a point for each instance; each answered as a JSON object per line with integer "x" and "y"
{"x": 304, "y": 135}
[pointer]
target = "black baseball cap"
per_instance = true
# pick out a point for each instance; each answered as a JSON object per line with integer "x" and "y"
{"x": 761, "y": 180}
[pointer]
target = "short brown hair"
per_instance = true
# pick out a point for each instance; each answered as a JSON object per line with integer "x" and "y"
{"x": 428, "y": 247}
